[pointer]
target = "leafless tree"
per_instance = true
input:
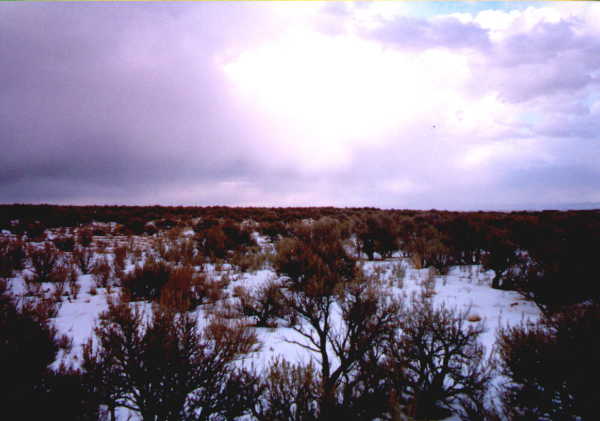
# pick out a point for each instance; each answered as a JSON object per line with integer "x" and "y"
{"x": 440, "y": 356}
{"x": 164, "y": 367}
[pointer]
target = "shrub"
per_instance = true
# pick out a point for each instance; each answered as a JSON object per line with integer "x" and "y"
{"x": 120, "y": 257}
{"x": 316, "y": 260}
{"x": 101, "y": 246}
{"x": 12, "y": 256}
{"x": 44, "y": 263}
{"x": 273, "y": 230}
{"x": 145, "y": 282}
{"x": 36, "y": 231}
{"x": 210, "y": 290}
{"x": 169, "y": 369}
{"x": 175, "y": 293}
{"x": 186, "y": 289}
{"x": 398, "y": 274}
{"x": 427, "y": 247}
{"x": 178, "y": 252}
{"x": 321, "y": 279}
{"x": 436, "y": 254}
{"x": 377, "y": 234}
{"x": 501, "y": 256}
{"x": 559, "y": 278}
{"x": 83, "y": 258}
{"x": 265, "y": 304}
{"x": 417, "y": 260}
{"x": 64, "y": 243}
{"x": 249, "y": 261}
{"x": 180, "y": 288}
{"x": 43, "y": 308}
{"x": 368, "y": 317}
{"x": 551, "y": 366}
{"x": 440, "y": 356}
{"x": 428, "y": 284}
{"x": 32, "y": 288}
{"x": 74, "y": 286}
{"x": 28, "y": 345}
{"x": 291, "y": 392}
{"x": 238, "y": 236}
{"x": 63, "y": 274}
{"x": 297, "y": 392}
{"x": 205, "y": 224}
{"x": 218, "y": 240}
{"x": 102, "y": 272}
{"x": 60, "y": 289}
{"x": 85, "y": 236}
{"x": 212, "y": 242}
{"x": 69, "y": 397}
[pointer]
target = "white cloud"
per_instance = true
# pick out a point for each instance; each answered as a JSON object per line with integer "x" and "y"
{"x": 323, "y": 96}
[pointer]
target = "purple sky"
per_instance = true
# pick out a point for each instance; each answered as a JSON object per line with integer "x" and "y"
{"x": 387, "y": 104}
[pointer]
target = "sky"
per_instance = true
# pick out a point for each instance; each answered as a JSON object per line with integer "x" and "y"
{"x": 445, "y": 105}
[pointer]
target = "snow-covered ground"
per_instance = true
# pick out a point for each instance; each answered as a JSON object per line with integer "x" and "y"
{"x": 466, "y": 287}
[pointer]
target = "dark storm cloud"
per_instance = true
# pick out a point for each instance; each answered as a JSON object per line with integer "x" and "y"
{"x": 116, "y": 97}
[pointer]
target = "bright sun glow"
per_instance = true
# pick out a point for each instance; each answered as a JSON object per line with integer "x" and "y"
{"x": 323, "y": 94}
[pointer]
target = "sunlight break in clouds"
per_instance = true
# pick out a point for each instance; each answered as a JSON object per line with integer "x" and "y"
{"x": 325, "y": 95}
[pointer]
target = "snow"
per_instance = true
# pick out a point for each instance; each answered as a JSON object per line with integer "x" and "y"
{"x": 462, "y": 288}
{"x": 77, "y": 318}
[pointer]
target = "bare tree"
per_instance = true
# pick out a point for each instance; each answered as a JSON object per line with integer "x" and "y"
{"x": 347, "y": 349}
{"x": 440, "y": 358}
{"x": 163, "y": 367}
{"x": 343, "y": 318}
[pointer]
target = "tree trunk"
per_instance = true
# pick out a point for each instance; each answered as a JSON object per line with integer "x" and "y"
{"x": 496, "y": 281}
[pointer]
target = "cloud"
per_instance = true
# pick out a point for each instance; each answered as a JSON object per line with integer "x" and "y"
{"x": 89, "y": 97}
{"x": 522, "y": 55}
{"x": 304, "y": 104}
{"x": 417, "y": 33}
